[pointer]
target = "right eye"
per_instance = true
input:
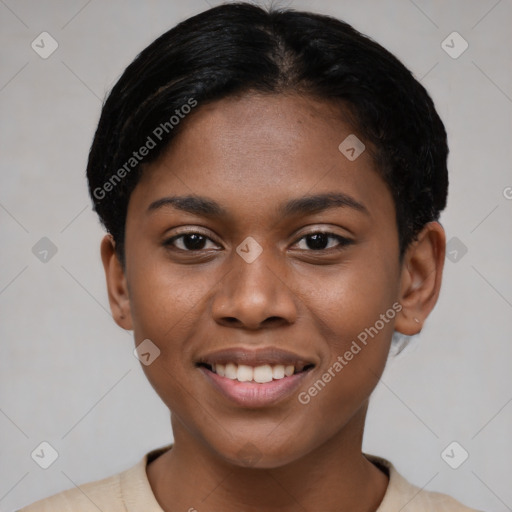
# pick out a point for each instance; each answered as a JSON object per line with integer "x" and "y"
{"x": 188, "y": 242}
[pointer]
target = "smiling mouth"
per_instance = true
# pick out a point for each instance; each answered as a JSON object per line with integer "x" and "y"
{"x": 260, "y": 374}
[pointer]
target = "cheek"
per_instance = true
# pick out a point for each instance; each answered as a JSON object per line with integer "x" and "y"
{"x": 352, "y": 297}
{"x": 164, "y": 297}
{"x": 354, "y": 309}
{"x": 164, "y": 302}
{"x": 355, "y": 357}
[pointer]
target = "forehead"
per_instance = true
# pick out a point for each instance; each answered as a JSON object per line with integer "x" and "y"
{"x": 261, "y": 149}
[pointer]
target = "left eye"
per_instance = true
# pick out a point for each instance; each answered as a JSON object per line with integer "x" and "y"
{"x": 320, "y": 241}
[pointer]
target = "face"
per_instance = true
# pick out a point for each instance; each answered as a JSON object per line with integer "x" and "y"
{"x": 285, "y": 254}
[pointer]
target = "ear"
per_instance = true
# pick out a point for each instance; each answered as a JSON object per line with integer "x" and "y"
{"x": 116, "y": 284}
{"x": 422, "y": 271}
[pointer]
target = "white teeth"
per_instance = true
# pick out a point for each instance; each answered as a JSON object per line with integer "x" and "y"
{"x": 245, "y": 373}
{"x": 278, "y": 371}
{"x": 261, "y": 374}
{"x": 230, "y": 371}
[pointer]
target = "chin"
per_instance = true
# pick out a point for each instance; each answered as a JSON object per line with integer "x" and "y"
{"x": 252, "y": 454}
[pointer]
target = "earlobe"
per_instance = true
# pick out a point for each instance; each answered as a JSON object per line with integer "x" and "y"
{"x": 422, "y": 271}
{"x": 116, "y": 284}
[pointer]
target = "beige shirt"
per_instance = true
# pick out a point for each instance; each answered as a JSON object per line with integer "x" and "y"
{"x": 130, "y": 491}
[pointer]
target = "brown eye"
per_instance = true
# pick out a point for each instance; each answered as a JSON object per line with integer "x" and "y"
{"x": 320, "y": 241}
{"x": 188, "y": 242}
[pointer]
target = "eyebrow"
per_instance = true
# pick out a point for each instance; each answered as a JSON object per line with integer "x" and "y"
{"x": 306, "y": 205}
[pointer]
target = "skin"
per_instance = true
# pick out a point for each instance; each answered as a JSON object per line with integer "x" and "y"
{"x": 251, "y": 154}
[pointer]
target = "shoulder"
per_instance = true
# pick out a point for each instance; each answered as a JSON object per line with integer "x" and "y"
{"x": 404, "y": 496}
{"x": 112, "y": 493}
{"x": 91, "y": 496}
{"x": 129, "y": 490}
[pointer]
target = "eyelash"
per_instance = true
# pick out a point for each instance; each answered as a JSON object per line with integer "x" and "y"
{"x": 343, "y": 242}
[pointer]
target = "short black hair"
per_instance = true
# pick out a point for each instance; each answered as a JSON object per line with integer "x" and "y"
{"x": 238, "y": 48}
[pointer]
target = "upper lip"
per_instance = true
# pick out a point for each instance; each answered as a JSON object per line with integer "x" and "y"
{"x": 255, "y": 357}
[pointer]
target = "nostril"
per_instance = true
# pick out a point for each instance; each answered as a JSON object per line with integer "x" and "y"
{"x": 274, "y": 320}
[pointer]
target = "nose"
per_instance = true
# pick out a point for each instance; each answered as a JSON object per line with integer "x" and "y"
{"x": 254, "y": 296}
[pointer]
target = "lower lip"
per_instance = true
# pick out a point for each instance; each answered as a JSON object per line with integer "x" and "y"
{"x": 254, "y": 394}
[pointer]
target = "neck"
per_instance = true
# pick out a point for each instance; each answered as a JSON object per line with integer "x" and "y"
{"x": 333, "y": 476}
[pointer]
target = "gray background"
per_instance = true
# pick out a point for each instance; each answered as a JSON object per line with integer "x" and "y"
{"x": 68, "y": 374}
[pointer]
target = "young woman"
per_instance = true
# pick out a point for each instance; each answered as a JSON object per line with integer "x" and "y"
{"x": 271, "y": 183}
